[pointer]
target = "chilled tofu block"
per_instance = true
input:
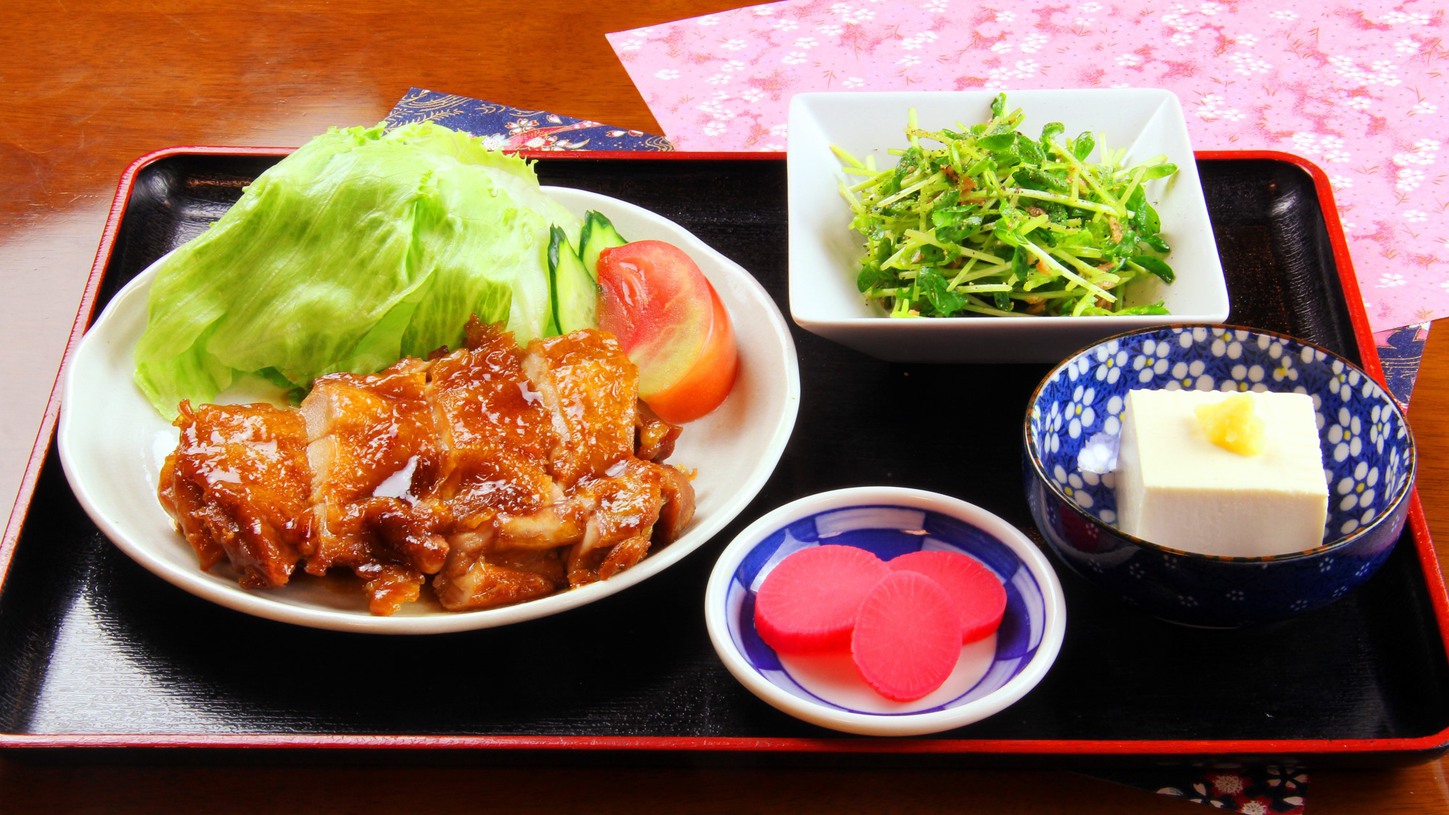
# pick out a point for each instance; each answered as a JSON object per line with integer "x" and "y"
{"x": 1177, "y": 488}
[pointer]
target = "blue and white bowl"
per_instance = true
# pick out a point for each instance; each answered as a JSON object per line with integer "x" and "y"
{"x": 1071, "y": 431}
{"x": 888, "y": 521}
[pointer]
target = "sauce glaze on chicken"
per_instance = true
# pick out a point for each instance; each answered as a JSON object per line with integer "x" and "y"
{"x": 495, "y": 473}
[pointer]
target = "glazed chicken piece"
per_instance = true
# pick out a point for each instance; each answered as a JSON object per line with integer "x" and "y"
{"x": 239, "y": 488}
{"x": 497, "y": 436}
{"x": 372, "y": 453}
{"x": 600, "y": 502}
{"x": 492, "y": 428}
{"x": 653, "y": 437}
{"x": 498, "y": 473}
{"x": 476, "y": 576}
{"x": 636, "y": 503}
{"x": 590, "y": 388}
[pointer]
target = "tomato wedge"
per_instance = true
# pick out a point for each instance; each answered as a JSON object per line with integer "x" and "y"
{"x": 672, "y": 324}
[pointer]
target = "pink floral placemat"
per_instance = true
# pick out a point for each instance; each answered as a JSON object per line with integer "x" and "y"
{"x": 1359, "y": 88}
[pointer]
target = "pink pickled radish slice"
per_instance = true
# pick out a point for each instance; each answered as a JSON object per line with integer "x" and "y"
{"x": 974, "y": 589}
{"x": 906, "y": 640}
{"x": 808, "y": 602}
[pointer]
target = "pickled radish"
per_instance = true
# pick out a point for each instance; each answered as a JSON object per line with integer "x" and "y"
{"x": 809, "y": 601}
{"x": 904, "y": 621}
{"x": 975, "y": 590}
{"x": 905, "y": 643}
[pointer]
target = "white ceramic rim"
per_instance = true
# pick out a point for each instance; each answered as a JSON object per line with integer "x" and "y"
{"x": 744, "y": 296}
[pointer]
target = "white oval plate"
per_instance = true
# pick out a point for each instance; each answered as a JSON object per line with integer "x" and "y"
{"x": 112, "y": 444}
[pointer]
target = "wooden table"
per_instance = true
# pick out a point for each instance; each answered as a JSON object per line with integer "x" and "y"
{"x": 90, "y": 86}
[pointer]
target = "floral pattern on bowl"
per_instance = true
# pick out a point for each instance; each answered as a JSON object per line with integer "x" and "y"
{"x": 1072, "y": 429}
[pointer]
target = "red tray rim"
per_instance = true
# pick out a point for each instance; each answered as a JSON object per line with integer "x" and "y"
{"x": 1425, "y": 747}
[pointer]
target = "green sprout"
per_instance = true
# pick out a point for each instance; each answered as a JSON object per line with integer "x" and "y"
{"x": 993, "y": 222}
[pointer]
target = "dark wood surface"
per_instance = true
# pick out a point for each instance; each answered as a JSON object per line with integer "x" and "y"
{"x": 88, "y": 87}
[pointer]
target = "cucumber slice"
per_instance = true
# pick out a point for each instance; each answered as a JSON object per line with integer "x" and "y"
{"x": 575, "y": 294}
{"x": 596, "y": 235}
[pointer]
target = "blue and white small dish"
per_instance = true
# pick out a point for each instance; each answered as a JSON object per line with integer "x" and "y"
{"x": 1071, "y": 432}
{"x": 889, "y": 521}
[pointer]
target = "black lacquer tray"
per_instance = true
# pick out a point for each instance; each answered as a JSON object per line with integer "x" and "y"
{"x": 96, "y": 652}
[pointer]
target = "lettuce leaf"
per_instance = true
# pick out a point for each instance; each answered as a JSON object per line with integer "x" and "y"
{"x": 363, "y": 246}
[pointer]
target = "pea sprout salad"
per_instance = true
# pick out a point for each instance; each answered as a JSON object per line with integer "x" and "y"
{"x": 989, "y": 221}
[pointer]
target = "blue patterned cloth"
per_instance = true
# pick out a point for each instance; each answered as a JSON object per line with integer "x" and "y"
{"x": 508, "y": 128}
{"x": 1401, "y": 350}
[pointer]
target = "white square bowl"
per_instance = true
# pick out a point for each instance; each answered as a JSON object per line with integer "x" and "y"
{"x": 825, "y": 252}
